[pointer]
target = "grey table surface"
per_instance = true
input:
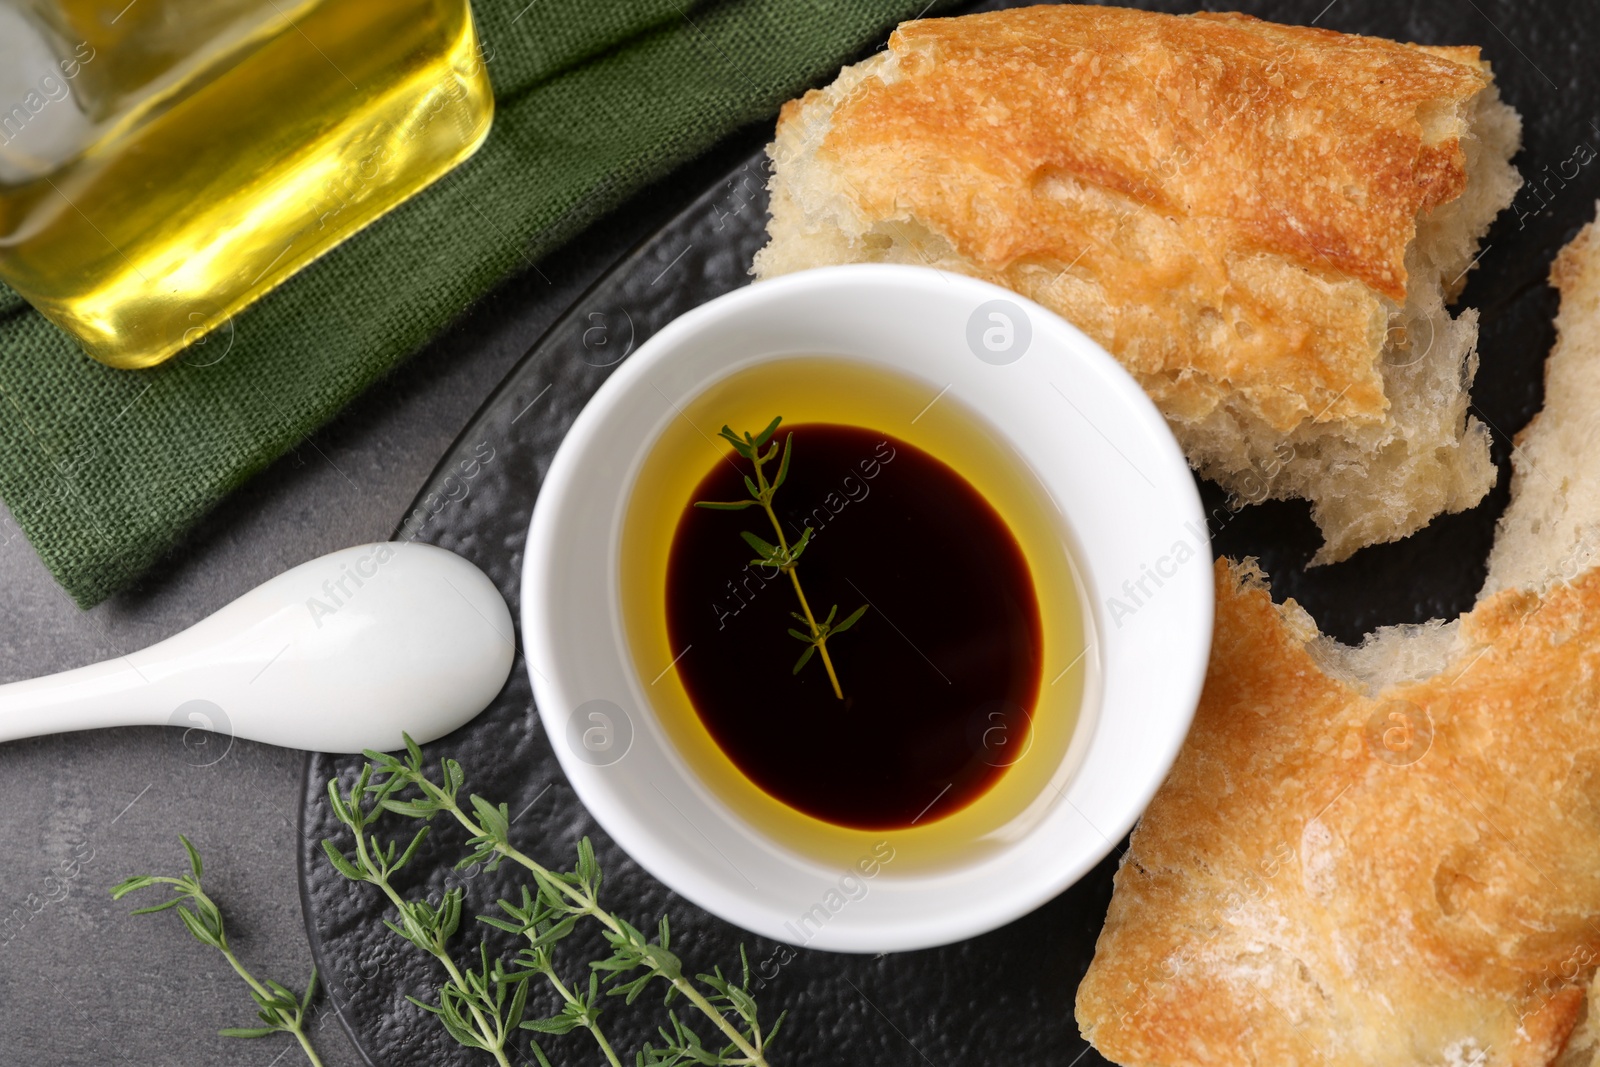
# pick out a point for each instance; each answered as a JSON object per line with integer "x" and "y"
{"x": 82, "y": 982}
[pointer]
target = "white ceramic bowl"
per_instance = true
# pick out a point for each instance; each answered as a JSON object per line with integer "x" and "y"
{"x": 1094, "y": 441}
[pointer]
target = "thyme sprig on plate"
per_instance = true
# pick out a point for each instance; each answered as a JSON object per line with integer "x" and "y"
{"x": 538, "y": 922}
{"x": 281, "y": 1010}
{"x": 480, "y": 1008}
{"x": 782, "y": 556}
{"x": 552, "y": 907}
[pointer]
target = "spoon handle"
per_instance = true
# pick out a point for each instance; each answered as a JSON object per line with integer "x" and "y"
{"x": 113, "y": 693}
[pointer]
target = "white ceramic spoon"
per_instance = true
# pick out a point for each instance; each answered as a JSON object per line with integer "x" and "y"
{"x": 339, "y": 654}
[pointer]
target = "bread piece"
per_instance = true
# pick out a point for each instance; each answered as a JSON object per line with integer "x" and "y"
{"x": 1305, "y": 889}
{"x": 1261, "y": 222}
{"x": 1551, "y": 530}
{"x": 1292, "y": 897}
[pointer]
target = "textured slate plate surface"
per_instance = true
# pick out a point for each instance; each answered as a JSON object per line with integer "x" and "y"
{"x": 1004, "y": 998}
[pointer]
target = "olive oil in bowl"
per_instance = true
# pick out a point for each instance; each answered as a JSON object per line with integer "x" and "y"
{"x": 961, "y": 680}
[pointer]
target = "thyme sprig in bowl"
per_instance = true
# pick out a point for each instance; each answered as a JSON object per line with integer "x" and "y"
{"x": 783, "y": 557}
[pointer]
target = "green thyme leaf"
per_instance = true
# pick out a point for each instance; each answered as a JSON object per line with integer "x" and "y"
{"x": 194, "y": 857}
{"x": 850, "y": 619}
{"x": 800, "y": 545}
{"x": 759, "y": 545}
{"x": 783, "y": 467}
{"x": 766, "y": 435}
{"x": 740, "y": 445}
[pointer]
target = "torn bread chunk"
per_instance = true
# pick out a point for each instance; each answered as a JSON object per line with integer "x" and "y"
{"x": 1341, "y": 872}
{"x": 1388, "y": 856}
{"x": 1551, "y": 529}
{"x": 1262, "y": 222}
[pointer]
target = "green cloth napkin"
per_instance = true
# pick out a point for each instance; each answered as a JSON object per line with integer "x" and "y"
{"x": 104, "y": 470}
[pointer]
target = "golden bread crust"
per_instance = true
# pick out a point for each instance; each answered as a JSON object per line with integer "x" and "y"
{"x": 1091, "y": 158}
{"x": 1305, "y": 890}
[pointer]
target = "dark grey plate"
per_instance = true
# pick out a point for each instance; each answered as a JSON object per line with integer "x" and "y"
{"x": 1006, "y": 997}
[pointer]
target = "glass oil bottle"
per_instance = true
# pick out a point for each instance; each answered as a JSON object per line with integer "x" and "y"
{"x": 163, "y": 163}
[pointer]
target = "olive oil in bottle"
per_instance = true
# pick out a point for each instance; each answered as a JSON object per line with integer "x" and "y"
{"x": 164, "y": 163}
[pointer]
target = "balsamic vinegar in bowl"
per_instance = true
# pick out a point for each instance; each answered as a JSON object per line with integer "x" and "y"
{"x": 923, "y": 723}
{"x": 942, "y": 713}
